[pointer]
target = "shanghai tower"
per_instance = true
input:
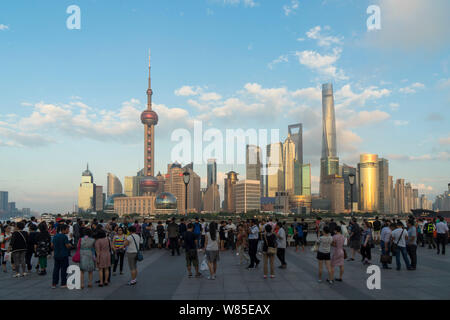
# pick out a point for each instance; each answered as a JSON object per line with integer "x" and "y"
{"x": 329, "y": 162}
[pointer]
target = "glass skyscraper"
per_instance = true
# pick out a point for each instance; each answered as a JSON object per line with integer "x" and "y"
{"x": 211, "y": 173}
{"x": 329, "y": 162}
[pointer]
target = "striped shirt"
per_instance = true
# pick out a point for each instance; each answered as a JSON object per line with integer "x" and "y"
{"x": 119, "y": 241}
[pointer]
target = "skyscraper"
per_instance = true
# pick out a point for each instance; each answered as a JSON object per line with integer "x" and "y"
{"x": 383, "y": 187}
{"x": 288, "y": 164}
{"x": 229, "y": 183}
{"x": 113, "y": 185}
{"x": 399, "y": 192}
{"x": 329, "y": 162}
{"x": 253, "y": 162}
{"x": 346, "y": 171}
{"x": 99, "y": 199}
{"x": 247, "y": 195}
{"x": 368, "y": 183}
{"x": 211, "y": 174}
{"x": 86, "y": 192}
{"x": 275, "y": 173}
{"x": 296, "y": 133}
{"x": 3, "y": 201}
{"x": 149, "y": 118}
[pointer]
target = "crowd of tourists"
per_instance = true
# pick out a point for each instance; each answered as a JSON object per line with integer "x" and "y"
{"x": 104, "y": 247}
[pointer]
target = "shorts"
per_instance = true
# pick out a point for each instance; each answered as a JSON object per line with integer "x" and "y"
{"x": 191, "y": 258}
{"x": 355, "y": 244}
{"x": 323, "y": 256}
{"x": 132, "y": 261}
{"x": 376, "y": 234}
{"x": 212, "y": 256}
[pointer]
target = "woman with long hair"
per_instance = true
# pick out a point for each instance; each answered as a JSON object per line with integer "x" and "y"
{"x": 366, "y": 244}
{"x": 87, "y": 256}
{"x": 212, "y": 249}
{"x": 337, "y": 253}
{"x": 103, "y": 256}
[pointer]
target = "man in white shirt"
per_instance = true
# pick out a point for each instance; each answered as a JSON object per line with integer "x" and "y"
{"x": 385, "y": 239}
{"x": 442, "y": 234}
{"x": 231, "y": 232}
{"x": 253, "y": 235}
{"x": 398, "y": 239}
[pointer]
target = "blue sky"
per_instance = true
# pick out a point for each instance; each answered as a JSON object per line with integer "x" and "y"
{"x": 68, "y": 97}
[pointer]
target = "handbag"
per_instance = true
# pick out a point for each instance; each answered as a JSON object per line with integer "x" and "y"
{"x": 139, "y": 255}
{"x": 77, "y": 256}
{"x": 386, "y": 258}
{"x": 270, "y": 250}
{"x": 345, "y": 254}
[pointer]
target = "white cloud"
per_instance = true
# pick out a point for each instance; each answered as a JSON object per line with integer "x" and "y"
{"x": 187, "y": 91}
{"x": 394, "y": 105}
{"x": 401, "y": 122}
{"x": 444, "y": 83}
{"x": 310, "y": 93}
{"x": 364, "y": 118}
{"x": 322, "y": 40}
{"x": 422, "y": 187}
{"x": 210, "y": 96}
{"x": 291, "y": 8}
{"x": 412, "y": 88}
{"x": 445, "y": 140}
{"x": 280, "y": 59}
{"x": 442, "y": 156}
{"x": 346, "y": 97}
{"x": 3, "y": 27}
{"x": 247, "y": 3}
{"x": 323, "y": 64}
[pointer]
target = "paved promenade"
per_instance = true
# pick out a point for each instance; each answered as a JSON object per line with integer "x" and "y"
{"x": 165, "y": 277}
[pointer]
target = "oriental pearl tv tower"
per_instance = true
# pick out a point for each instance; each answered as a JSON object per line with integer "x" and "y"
{"x": 149, "y": 184}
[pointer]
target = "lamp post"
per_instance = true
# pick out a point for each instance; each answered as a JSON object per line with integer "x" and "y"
{"x": 186, "y": 178}
{"x": 351, "y": 181}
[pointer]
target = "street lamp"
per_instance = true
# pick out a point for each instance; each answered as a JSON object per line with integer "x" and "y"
{"x": 351, "y": 180}
{"x": 186, "y": 178}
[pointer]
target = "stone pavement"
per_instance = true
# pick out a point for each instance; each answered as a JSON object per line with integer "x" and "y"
{"x": 163, "y": 277}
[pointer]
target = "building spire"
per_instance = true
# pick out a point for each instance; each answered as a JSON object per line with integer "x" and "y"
{"x": 87, "y": 166}
{"x": 149, "y": 90}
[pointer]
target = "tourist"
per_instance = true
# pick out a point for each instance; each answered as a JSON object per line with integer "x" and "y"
{"x": 299, "y": 237}
{"x": 305, "y": 232}
{"x": 269, "y": 250}
{"x": 231, "y": 231}
{"x": 420, "y": 235}
{"x": 242, "y": 244}
{"x": 161, "y": 234}
{"x": 332, "y": 226}
{"x": 222, "y": 235}
{"x": 337, "y": 253}
{"x": 253, "y": 236}
{"x": 119, "y": 249}
{"x": 173, "y": 235}
{"x": 354, "y": 238}
{"x": 5, "y": 239}
{"x": 323, "y": 253}
{"x": 281, "y": 244}
{"x": 87, "y": 256}
{"x": 212, "y": 249}
{"x": 385, "y": 238}
{"x": 398, "y": 242}
{"x": 411, "y": 246}
{"x": 146, "y": 234}
{"x": 131, "y": 243}
{"x": 203, "y": 233}
{"x": 182, "y": 228}
{"x": 18, "y": 248}
{"x": 442, "y": 235}
{"x": 190, "y": 246}
{"x": 198, "y": 231}
{"x": 102, "y": 256}
{"x": 376, "y": 230}
{"x": 31, "y": 249}
{"x": 61, "y": 251}
{"x": 366, "y": 243}
{"x": 344, "y": 232}
{"x": 428, "y": 231}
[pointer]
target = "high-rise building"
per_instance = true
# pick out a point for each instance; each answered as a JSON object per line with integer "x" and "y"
{"x": 211, "y": 198}
{"x": 333, "y": 190}
{"x": 86, "y": 192}
{"x": 211, "y": 172}
{"x": 346, "y": 171}
{"x": 288, "y": 164}
{"x": 174, "y": 184}
{"x": 442, "y": 201}
{"x": 296, "y": 133}
{"x": 3, "y": 201}
{"x": 399, "y": 196}
{"x": 416, "y": 199}
{"x": 275, "y": 173}
{"x": 247, "y": 196}
{"x": 113, "y": 185}
{"x": 383, "y": 186}
{"x": 368, "y": 183}
{"x": 306, "y": 180}
{"x": 329, "y": 162}
{"x": 408, "y": 198}
{"x": 99, "y": 199}
{"x": 131, "y": 186}
{"x": 253, "y": 162}
{"x": 194, "y": 196}
{"x": 229, "y": 182}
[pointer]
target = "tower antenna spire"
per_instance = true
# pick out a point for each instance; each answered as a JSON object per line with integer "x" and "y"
{"x": 149, "y": 90}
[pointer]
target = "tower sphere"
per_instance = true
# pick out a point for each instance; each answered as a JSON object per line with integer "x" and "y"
{"x": 148, "y": 184}
{"x": 149, "y": 117}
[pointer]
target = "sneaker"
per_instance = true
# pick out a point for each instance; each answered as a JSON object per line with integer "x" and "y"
{"x": 340, "y": 280}
{"x": 272, "y": 276}
{"x": 53, "y": 286}
{"x": 210, "y": 278}
{"x": 189, "y": 275}
{"x": 214, "y": 277}
{"x": 198, "y": 275}
{"x": 132, "y": 283}
{"x": 25, "y": 274}
{"x": 330, "y": 281}
{"x": 17, "y": 275}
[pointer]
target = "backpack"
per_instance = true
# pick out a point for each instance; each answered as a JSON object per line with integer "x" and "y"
{"x": 43, "y": 249}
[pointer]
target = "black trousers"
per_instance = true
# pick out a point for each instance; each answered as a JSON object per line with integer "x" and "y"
{"x": 420, "y": 239}
{"x": 305, "y": 235}
{"x": 174, "y": 245}
{"x": 281, "y": 255}
{"x": 28, "y": 257}
{"x": 412, "y": 253}
{"x": 441, "y": 240}
{"x": 118, "y": 260}
{"x": 366, "y": 252}
{"x": 430, "y": 241}
{"x": 252, "y": 249}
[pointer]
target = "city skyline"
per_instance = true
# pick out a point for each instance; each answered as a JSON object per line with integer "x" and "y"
{"x": 52, "y": 126}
